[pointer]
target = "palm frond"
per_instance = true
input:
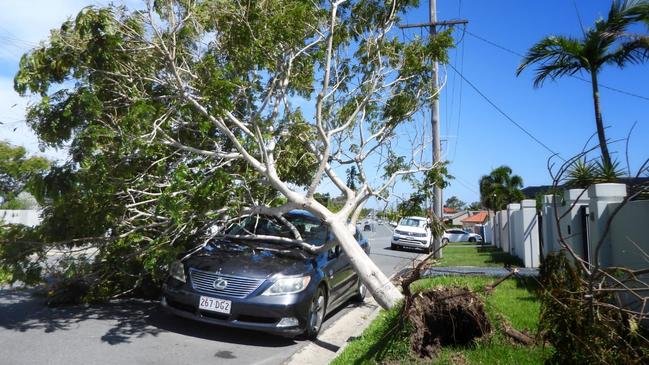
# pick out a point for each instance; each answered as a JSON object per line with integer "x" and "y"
{"x": 633, "y": 51}
{"x": 557, "y": 56}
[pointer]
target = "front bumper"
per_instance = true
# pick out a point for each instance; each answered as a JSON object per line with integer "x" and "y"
{"x": 256, "y": 312}
{"x": 419, "y": 242}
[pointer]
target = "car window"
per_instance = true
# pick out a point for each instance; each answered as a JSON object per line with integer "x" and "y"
{"x": 412, "y": 222}
{"x": 312, "y": 231}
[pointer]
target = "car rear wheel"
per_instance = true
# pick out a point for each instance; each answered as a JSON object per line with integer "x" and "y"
{"x": 444, "y": 241}
{"x": 316, "y": 314}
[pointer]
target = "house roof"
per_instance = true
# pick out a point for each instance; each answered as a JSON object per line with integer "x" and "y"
{"x": 448, "y": 210}
{"x": 478, "y": 218}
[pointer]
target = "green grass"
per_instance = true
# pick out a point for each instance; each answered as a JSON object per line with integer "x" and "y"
{"x": 477, "y": 256}
{"x": 451, "y": 244}
{"x": 513, "y": 300}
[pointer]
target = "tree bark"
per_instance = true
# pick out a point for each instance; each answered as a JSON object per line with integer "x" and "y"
{"x": 598, "y": 120}
{"x": 385, "y": 293}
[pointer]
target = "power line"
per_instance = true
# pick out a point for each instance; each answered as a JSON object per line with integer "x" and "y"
{"x": 459, "y": 112}
{"x": 502, "y": 112}
{"x": 573, "y": 76}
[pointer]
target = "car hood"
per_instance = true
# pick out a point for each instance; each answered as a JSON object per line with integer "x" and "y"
{"x": 411, "y": 229}
{"x": 240, "y": 260}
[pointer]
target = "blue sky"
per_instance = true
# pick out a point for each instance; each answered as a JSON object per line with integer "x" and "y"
{"x": 560, "y": 114}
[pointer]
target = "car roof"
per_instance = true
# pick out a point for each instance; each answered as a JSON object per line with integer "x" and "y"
{"x": 303, "y": 213}
{"x": 415, "y": 217}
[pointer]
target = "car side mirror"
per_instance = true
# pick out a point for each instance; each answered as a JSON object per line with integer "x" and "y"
{"x": 334, "y": 252}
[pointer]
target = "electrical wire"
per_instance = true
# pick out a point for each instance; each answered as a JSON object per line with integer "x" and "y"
{"x": 503, "y": 113}
{"x": 573, "y": 76}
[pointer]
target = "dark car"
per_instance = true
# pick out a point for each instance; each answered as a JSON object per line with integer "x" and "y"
{"x": 253, "y": 278}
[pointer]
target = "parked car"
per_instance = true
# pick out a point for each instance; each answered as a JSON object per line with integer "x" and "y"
{"x": 241, "y": 280}
{"x": 460, "y": 235}
{"x": 412, "y": 232}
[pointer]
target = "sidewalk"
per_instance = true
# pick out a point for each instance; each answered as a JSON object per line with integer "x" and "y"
{"x": 472, "y": 270}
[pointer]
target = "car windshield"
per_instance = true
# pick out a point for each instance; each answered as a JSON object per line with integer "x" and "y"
{"x": 311, "y": 230}
{"x": 412, "y": 222}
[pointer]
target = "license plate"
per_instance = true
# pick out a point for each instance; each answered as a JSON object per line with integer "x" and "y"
{"x": 215, "y": 305}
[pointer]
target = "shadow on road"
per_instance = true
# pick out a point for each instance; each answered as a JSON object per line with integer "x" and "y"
{"x": 128, "y": 320}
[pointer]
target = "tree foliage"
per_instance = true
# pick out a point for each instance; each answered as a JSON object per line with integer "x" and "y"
{"x": 17, "y": 173}
{"x": 455, "y": 203}
{"x": 500, "y": 188}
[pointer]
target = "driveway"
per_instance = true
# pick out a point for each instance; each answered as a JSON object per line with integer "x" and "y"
{"x": 136, "y": 332}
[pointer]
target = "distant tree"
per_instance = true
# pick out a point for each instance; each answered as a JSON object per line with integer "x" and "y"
{"x": 500, "y": 188}
{"x": 413, "y": 206}
{"x": 609, "y": 42}
{"x": 351, "y": 177}
{"x": 474, "y": 206}
{"x": 17, "y": 173}
{"x": 455, "y": 203}
{"x": 323, "y": 199}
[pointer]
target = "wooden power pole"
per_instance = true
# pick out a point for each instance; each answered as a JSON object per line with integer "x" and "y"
{"x": 437, "y": 203}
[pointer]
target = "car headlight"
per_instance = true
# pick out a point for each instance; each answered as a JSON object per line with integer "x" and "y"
{"x": 288, "y": 286}
{"x": 177, "y": 271}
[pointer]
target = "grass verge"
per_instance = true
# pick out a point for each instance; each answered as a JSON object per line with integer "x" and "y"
{"x": 478, "y": 256}
{"x": 513, "y": 301}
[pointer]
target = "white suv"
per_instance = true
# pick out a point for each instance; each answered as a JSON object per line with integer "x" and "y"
{"x": 459, "y": 235}
{"x": 412, "y": 232}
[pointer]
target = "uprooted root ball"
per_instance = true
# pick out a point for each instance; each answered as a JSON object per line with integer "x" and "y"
{"x": 446, "y": 316}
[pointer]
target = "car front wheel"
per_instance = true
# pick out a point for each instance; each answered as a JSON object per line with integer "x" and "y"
{"x": 361, "y": 292}
{"x": 472, "y": 239}
{"x": 316, "y": 314}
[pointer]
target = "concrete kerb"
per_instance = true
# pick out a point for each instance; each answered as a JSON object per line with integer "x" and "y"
{"x": 346, "y": 328}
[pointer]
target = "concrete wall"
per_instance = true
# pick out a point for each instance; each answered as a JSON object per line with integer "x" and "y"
{"x": 629, "y": 234}
{"x": 26, "y": 217}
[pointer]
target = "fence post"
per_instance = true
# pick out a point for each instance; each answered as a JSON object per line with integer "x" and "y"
{"x": 603, "y": 199}
{"x": 529, "y": 246}
{"x": 512, "y": 218}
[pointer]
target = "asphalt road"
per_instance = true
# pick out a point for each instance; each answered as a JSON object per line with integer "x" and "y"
{"x": 136, "y": 332}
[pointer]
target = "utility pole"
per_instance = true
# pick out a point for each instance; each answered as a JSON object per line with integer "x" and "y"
{"x": 437, "y": 204}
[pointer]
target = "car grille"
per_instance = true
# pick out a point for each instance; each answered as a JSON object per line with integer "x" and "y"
{"x": 237, "y": 287}
{"x": 411, "y": 234}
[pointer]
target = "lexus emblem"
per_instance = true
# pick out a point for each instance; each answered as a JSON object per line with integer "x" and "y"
{"x": 220, "y": 284}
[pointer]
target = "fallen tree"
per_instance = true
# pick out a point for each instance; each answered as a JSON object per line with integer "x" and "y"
{"x": 253, "y": 106}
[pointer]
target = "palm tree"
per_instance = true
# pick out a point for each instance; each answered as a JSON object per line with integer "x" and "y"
{"x": 605, "y": 44}
{"x": 500, "y": 188}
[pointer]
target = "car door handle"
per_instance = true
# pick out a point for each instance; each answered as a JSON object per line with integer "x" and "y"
{"x": 331, "y": 274}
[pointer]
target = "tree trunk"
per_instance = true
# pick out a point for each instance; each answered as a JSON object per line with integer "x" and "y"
{"x": 598, "y": 120}
{"x": 385, "y": 293}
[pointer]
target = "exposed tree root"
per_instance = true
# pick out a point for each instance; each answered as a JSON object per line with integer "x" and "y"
{"x": 446, "y": 316}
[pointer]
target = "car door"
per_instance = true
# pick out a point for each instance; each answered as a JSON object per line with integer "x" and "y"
{"x": 464, "y": 236}
{"x": 337, "y": 271}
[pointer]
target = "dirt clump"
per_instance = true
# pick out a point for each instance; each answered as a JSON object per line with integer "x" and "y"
{"x": 445, "y": 316}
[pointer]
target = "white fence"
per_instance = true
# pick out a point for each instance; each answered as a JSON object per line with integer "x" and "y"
{"x": 583, "y": 217}
{"x": 29, "y": 217}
